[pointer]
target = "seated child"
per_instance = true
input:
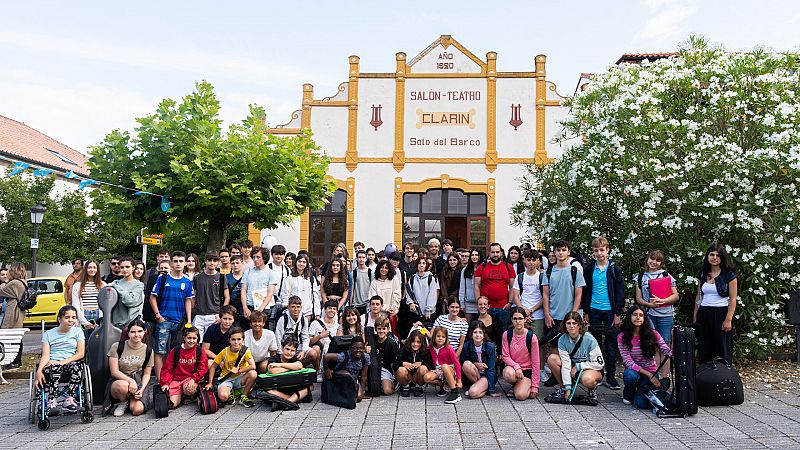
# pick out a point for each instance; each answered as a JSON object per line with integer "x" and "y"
{"x": 287, "y": 361}
{"x": 130, "y": 369}
{"x": 522, "y": 360}
{"x": 354, "y": 361}
{"x": 579, "y": 358}
{"x": 447, "y": 369}
{"x": 321, "y": 330}
{"x": 479, "y": 362}
{"x": 291, "y": 322}
{"x": 182, "y": 377}
{"x": 237, "y": 372}
{"x": 260, "y": 341}
{"x": 217, "y": 335}
{"x": 411, "y": 365}
{"x": 386, "y": 353}
{"x": 62, "y": 352}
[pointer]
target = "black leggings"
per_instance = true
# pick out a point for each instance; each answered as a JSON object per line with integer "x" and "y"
{"x": 711, "y": 339}
{"x": 54, "y": 373}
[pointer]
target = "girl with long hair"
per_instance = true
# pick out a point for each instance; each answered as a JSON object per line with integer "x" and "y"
{"x": 449, "y": 271}
{"x": 466, "y": 284}
{"x": 715, "y": 305}
{"x": 131, "y": 371}
{"x": 304, "y": 285}
{"x": 351, "y": 323}
{"x": 479, "y": 362}
{"x": 387, "y": 285}
{"x": 191, "y": 266}
{"x": 334, "y": 283}
{"x": 84, "y": 295}
{"x": 638, "y": 345}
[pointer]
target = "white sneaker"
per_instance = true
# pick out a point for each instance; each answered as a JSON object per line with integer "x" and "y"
{"x": 120, "y": 409}
{"x": 543, "y": 375}
{"x": 625, "y": 401}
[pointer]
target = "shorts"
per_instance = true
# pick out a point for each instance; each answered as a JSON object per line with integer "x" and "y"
{"x": 232, "y": 383}
{"x": 664, "y": 326}
{"x": 386, "y": 374}
{"x": 537, "y": 326}
{"x": 176, "y": 387}
{"x": 440, "y": 373}
{"x": 166, "y": 332}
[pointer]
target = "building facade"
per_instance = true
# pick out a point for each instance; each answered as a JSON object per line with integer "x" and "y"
{"x": 433, "y": 148}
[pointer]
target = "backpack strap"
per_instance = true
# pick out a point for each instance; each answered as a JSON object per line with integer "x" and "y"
{"x": 120, "y": 349}
{"x": 529, "y": 340}
{"x": 161, "y": 285}
{"x": 222, "y": 286}
{"x": 541, "y": 287}
{"x": 175, "y": 359}
{"x": 147, "y": 354}
{"x": 574, "y": 272}
{"x": 520, "y": 280}
{"x": 577, "y": 346}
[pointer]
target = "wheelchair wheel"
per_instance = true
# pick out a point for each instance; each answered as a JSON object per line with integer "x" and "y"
{"x": 32, "y": 393}
{"x": 44, "y": 424}
{"x": 87, "y": 417}
{"x": 86, "y": 390}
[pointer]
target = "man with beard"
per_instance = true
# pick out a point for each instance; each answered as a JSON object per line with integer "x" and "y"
{"x": 494, "y": 280}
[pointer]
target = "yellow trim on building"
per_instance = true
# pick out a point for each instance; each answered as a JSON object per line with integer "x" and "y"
{"x": 305, "y": 115}
{"x": 399, "y": 154}
{"x": 540, "y": 154}
{"x": 491, "y": 112}
{"x": 351, "y": 156}
{"x": 305, "y": 218}
{"x": 443, "y": 182}
{"x": 254, "y": 234}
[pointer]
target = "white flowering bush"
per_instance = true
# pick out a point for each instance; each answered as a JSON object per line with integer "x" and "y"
{"x": 679, "y": 153}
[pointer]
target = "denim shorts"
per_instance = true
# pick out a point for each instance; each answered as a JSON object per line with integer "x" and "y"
{"x": 166, "y": 332}
{"x": 664, "y": 326}
{"x": 232, "y": 383}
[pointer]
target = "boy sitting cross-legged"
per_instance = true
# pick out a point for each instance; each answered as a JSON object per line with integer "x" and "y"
{"x": 287, "y": 361}
{"x": 237, "y": 370}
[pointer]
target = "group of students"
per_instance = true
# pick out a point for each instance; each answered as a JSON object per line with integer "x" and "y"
{"x": 451, "y": 320}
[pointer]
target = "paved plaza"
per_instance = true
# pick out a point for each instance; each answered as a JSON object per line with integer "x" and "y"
{"x": 769, "y": 418}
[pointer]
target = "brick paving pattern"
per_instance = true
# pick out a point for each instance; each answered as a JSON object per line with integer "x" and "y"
{"x": 769, "y": 418}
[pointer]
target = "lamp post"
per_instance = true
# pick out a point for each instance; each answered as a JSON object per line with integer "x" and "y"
{"x": 37, "y": 214}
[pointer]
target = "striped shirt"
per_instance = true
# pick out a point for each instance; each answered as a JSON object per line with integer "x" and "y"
{"x": 632, "y": 356}
{"x": 88, "y": 299}
{"x": 454, "y": 329}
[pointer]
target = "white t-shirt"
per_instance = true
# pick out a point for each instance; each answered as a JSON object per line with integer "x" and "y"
{"x": 260, "y": 349}
{"x": 316, "y": 328}
{"x": 711, "y": 297}
{"x": 531, "y": 295}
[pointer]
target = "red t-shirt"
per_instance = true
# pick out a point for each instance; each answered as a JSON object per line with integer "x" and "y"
{"x": 494, "y": 282}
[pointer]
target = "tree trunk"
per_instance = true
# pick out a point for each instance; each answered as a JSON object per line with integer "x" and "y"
{"x": 216, "y": 234}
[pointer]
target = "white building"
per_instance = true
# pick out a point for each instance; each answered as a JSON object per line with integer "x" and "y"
{"x": 432, "y": 147}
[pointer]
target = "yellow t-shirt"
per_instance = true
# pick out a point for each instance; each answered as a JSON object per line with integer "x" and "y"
{"x": 226, "y": 360}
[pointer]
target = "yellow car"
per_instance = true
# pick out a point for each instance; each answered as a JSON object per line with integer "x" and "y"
{"x": 48, "y": 302}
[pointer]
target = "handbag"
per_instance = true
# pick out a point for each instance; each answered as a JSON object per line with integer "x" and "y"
{"x": 160, "y": 402}
{"x": 207, "y": 401}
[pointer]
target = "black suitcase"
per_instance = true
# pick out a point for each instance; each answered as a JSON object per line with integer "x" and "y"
{"x": 374, "y": 371}
{"x": 340, "y": 390}
{"x": 684, "y": 370}
{"x": 340, "y": 344}
{"x": 718, "y": 384}
{"x": 302, "y": 377}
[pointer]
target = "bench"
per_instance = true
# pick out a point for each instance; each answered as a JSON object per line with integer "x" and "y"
{"x": 10, "y": 343}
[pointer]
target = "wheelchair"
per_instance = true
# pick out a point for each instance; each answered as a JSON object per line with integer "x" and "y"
{"x": 38, "y": 411}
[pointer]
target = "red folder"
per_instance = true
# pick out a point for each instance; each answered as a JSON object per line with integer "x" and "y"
{"x": 660, "y": 287}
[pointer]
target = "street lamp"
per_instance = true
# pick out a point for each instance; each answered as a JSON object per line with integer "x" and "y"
{"x": 37, "y": 214}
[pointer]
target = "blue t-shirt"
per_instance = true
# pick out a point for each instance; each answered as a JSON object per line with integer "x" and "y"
{"x": 172, "y": 305}
{"x": 562, "y": 293}
{"x": 63, "y": 345}
{"x": 600, "y": 298}
{"x": 353, "y": 365}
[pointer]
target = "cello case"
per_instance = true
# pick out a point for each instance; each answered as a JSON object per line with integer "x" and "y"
{"x": 100, "y": 341}
{"x": 374, "y": 371}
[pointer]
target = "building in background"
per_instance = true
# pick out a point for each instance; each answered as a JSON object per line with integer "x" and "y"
{"x": 433, "y": 147}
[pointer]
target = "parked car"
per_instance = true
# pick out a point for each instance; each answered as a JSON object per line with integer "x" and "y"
{"x": 49, "y": 301}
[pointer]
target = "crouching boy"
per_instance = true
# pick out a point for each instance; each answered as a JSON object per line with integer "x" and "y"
{"x": 237, "y": 370}
{"x": 355, "y": 361}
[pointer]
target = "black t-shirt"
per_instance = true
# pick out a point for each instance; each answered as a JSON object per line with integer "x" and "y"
{"x": 387, "y": 352}
{"x": 216, "y": 338}
{"x": 110, "y": 278}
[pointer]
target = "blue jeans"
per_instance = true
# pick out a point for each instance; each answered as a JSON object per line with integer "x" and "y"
{"x": 633, "y": 380}
{"x": 664, "y": 326}
{"x": 607, "y": 344}
{"x": 166, "y": 333}
{"x": 500, "y": 315}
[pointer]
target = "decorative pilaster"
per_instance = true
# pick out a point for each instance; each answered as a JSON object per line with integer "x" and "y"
{"x": 540, "y": 157}
{"x": 351, "y": 156}
{"x": 491, "y": 111}
{"x": 399, "y": 154}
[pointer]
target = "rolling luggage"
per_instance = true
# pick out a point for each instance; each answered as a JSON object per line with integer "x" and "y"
{"x": 374, "y": 371}
{"x": 718, "y": 384}
{"x": 684, "y": 370}
{"x": 302, "y": 377}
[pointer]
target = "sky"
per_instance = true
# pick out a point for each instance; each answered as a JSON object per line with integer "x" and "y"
{"x": 78, "y": 70}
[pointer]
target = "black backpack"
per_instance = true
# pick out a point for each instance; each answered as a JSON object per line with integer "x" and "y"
{"x": 28, "y": 299}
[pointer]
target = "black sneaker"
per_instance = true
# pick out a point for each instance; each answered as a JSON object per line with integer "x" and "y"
{"x": 246, "y": 402}
{"x": 558, "y": 393}
{"x": 593, "y": 393}
{"x": 612, "y": 384}
{"x": 550, "y": 382}
{"x": 405, "y": 391}
{"x": 418, "y": 391}
{"x": 441, "y": 392}
{"x": 453, "y": 398}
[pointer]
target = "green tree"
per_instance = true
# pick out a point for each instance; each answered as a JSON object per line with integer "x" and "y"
{"x": 674, "y": 155}
{"x": 209, "y": 176}
{"x": 68, "y": 231}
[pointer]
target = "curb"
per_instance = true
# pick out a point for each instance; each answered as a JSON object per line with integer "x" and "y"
{"x": 16, "y": 375}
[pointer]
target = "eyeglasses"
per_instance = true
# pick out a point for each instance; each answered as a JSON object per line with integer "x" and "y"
{"x": 114, "y": 263}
